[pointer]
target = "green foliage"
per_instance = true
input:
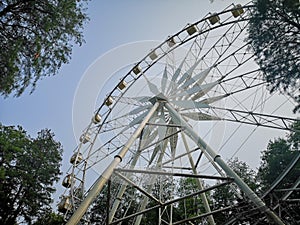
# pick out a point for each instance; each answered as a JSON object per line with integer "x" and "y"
{"x": 278, "y": 155}
{"x": 98, "y": 211}
{"x": 191, "y": 206}
{"x": 294, "y": 137}
{"x": 36, "y": 39}
{"x": 50, "y": 219}
{"x": 274, "y": 160}
{"x": 29, "y": 167}
{"x": 274, "y": 31}
{"x": 131, "y": 201}
{"x": 227, "y": 195}
{"x": 162, "y": 189}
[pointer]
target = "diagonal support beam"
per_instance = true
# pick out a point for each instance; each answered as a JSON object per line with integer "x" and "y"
{"x": 177, "y": 118}
{"x": 137, "y": 187}
{"x": 100, "y": 182}
{"x": 123, "y": 187}
{"x": 199, "y": 182}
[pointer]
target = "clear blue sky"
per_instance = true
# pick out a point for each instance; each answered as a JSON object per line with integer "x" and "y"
{"x": 112, "y": 23}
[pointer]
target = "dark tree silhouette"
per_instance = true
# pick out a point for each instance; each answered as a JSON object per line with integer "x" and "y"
{"x": 28, "y": 169}
{"x": 274, "y": 33}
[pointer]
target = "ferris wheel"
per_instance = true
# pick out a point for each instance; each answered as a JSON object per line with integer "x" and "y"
{"x": 170, "y": 117}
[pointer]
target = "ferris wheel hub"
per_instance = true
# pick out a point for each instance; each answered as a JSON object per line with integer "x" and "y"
{"x": 158, "y": 98}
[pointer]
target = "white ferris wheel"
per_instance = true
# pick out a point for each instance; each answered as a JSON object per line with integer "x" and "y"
{"x": 172, "y": 116}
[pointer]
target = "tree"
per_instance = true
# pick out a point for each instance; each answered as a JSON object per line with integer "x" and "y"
{"x": 162, "y": 189}
{"x": 228, "y": 195}
{"x": 191, "y": 206}
{"x": 294, "y": 137}
{"x": 98, "y": 211}
{"x": 274, "y": 31}
{"x": 131, "y": 200}
{"x": 109, "y": 194}
{"x": 279, "y": 153}
{"x": 275, "y": 159}
{"x": 50, "y": 219}
{"x": 36, "y": 38}
{"x": 278, "y": 156}
{"x": 28, "y": 169}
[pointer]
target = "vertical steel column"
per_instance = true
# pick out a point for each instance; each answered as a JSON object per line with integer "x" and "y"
{"x": 145, "y": 199}
{"x": 98, "y": 185}
{"x": 199, "y": 182}
{"x": 122, "y": 190}
{"x": 217, "y": 158}
{"x": 108, "y": 201}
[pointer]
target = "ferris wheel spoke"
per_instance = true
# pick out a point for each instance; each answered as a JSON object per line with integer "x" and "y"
{"x": 162, "y": 130}
{"x": 213, "y": 99}
{"x": 138, "y": 119}
{"x": 189, "y": 104}
{"x": 115, "y": 125}
{"x": 164, "y": 80}
{"x": 199, "y": 116}
{"x": 247, "y": 75}
{"x": 112, "y": 128}
{"x": 199, "y": 90}
{"x": 168, "y": 135}
{"x": 134, "y": 101}
{"x": 173, "y": 140}
{"x": 241, "y": 83}
{"x": 177, "y": 72}
{"x": 234, "y": 60}
{"x": 114, "y": 143}
{"x": 195, "y": 86}
{"x": 172, "y": 84}
{"x": 147, "y": 139}
{"x": 188, "y": 74}
{"x": 223, "y": 45}
{"x": 161, "y": 144}
{"x": 196, "y": 79}
{"x": 152, "y": 87}
{"x": 139, "y": 109}
{"x": 156, "y": 149}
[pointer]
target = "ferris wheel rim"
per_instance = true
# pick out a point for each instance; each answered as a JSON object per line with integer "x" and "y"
{"x": 175, "y": 46}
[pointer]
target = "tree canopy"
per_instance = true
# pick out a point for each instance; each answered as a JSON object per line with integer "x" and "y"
{"x": 274, "y": 32}
{"x": 28, "y": 169}
{"x": 36, "y": 38}
{"x": 51, "y": 219}
{"x": 192, "y": 206}
{"x": 229, "y": 195}
{"x": 278, "y": 155}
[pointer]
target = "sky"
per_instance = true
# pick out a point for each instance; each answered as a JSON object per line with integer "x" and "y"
{"x": 63, "y": 102}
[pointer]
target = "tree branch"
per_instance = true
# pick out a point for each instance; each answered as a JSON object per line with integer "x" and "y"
{"x": 8, "y": 9}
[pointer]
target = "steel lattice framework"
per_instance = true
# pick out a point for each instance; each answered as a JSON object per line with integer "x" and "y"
{"x": 144, "y": 135}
